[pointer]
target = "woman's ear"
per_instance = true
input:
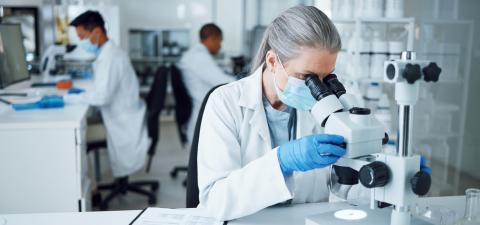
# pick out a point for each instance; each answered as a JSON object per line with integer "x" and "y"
{"x": 270, "y": 60}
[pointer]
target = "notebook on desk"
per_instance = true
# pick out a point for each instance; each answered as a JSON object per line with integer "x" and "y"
{"x": 162, "y": 216}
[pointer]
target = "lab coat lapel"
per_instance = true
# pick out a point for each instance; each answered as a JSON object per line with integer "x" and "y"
{"x": 260, "y": 125}
{"x": 251, "y": 99}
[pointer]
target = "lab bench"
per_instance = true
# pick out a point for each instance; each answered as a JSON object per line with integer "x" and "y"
{"x": 43, "y": 165}
{"x": 291, "y": 215}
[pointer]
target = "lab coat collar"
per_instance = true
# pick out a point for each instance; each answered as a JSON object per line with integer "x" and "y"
{"x": 251, "y": 98}
{"x": 252, "y": 94}
{"x": 104, "y": 49}
{"x": 201, "y": 48}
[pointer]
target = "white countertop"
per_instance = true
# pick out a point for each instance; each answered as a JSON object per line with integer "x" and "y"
{"x": 293, "y": 214}
{"x": 69, "y": 116}
{"x": 93, "y": 218}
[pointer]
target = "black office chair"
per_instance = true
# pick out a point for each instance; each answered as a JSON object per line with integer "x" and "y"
{"x": 155, "y": 102}
{"x": 183, "y": 111}
{"x": 192, "y": 175}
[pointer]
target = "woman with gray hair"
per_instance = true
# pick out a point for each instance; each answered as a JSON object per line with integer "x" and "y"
{"x": 259, "y": 145}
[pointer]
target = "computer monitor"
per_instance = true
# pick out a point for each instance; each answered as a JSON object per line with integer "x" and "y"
{"x": 13, "y": 64}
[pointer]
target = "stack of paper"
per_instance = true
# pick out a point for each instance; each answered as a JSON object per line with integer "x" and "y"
{"x": 160, "y": 216}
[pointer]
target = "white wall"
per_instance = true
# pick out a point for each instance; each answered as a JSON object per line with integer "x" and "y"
{"x": 229, "y": 19}
{"x": 189, "y": 14}
{"x": 272, "y": 8}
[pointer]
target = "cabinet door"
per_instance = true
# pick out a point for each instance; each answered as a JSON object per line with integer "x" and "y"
{"x": 38, "y": 170}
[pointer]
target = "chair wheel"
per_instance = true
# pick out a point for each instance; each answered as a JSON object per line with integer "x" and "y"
{"x": 173, "y": 174}
{"x": 152, "y": 200}
{"x": 155, "y": 187}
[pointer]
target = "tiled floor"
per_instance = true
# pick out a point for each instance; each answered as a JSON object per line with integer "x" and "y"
{"x": 172, "y": 193}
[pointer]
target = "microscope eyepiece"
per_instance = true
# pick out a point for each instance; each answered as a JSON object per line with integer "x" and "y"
{"x": 318, "y": 89}
{"x": 334, "y": 85}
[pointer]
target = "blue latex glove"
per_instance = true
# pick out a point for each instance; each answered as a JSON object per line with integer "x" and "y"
{"x": 75, "y": 90}
{"x": 310, "y": 152}
{"x": 52, "y": 101}
{"x": 423, "y": 165}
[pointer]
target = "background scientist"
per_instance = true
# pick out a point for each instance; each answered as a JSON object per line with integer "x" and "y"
{"x": 200, "y": 71}
{"x": 115, "y": 91}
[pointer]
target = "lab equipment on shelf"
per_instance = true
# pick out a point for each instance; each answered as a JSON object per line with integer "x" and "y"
{"x": 372, "y": 8}
{"x": 394, "y": 8}
{"x": 383, "y": 113}
{"x": 395, "y": 48}
{"x": 379, "y": 56}
{"x": 372, "y": 96}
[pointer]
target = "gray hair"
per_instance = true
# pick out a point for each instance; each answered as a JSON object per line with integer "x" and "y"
{"x": 297, "y": 27}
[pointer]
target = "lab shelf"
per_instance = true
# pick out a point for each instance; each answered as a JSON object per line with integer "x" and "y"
{"x": 439, "y": 136}
{"x": 460, "y": 49}
{"x": 445, "y": 107}
{"x": 381, "y": 80}
{"x": 388, "y": 20}
{"x": 446, "y": 50}
{"x": 362, "y": 79}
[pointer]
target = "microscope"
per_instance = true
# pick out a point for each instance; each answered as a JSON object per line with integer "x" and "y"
{"x": 60, "y": 62}
{"x": 394, "y": 179}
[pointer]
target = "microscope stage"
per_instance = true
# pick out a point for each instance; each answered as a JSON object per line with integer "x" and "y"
{"x": 356, "y": 215}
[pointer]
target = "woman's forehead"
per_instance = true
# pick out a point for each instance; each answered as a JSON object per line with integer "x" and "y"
{"x": 313, "y": 60}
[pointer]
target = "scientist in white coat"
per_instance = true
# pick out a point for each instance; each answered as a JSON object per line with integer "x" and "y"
{"x": 200, "y": 71}
{"x": 259, "y": 146}
{"x": 115, "y": 91}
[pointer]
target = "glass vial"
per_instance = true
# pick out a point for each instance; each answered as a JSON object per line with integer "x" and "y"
{"x": 472, "y": 208}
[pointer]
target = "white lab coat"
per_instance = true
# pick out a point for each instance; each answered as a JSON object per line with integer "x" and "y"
{"x": 200, "y": 74}
{"x": 115, "y": 91}
{"x": 238, "y": 171}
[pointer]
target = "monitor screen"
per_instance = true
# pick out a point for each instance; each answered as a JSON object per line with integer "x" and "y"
{"x": 13, "y": 65}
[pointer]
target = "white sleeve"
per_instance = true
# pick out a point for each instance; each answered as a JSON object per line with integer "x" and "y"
{"x": 105, "y": 82}
{"x": 226, "y": 189}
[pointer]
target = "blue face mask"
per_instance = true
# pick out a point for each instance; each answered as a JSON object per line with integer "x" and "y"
{"x": 296, "y": 94}
{"x": 88, "y": 46}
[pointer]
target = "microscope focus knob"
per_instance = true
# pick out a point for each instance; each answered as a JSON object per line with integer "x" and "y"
{"x": 412, "y": 73}
{"x": 431, "y": 72}
{"x": 421, "y": 182}
{"x": 375, "y": 174}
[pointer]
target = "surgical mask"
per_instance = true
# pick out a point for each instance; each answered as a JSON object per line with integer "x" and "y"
{"x": 296, "y": 94}
{"x": 88, "y": 46}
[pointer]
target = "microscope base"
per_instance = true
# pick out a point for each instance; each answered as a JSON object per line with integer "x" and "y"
{"x": 356, "y": 215}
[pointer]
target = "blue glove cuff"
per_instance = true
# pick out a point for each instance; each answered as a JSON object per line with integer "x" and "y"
{"x": 286, "y": 172}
